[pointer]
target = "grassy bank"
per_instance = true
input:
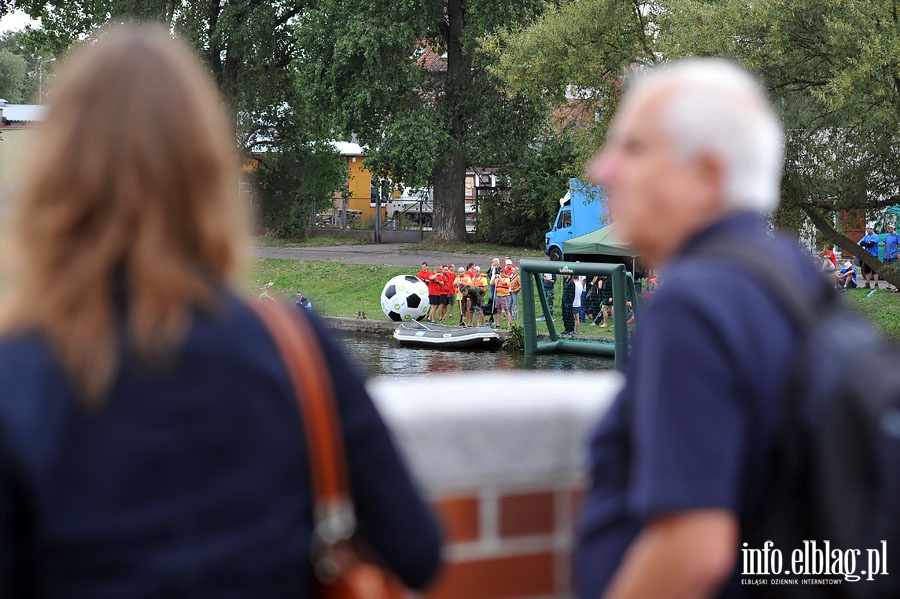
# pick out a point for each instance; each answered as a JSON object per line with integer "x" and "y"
{"x": 337, "y": 289}
{"x": 346, "y": 289}
{"x": 883, "y": 309}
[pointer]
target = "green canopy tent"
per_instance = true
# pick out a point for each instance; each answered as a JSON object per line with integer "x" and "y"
{"x": 604, "y": 247}
{"x": 602, "y": 242}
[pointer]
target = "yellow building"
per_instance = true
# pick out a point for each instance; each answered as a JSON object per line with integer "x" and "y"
{"x": 359, "y": 183}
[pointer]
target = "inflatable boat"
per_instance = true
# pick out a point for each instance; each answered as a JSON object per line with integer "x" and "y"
{"x": 420, "y": 334}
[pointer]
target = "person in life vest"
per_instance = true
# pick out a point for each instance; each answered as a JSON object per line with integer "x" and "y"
{"x": 463, "y": 282}
{"x": 515, "y": 287}
{"x": 501, "y": 298}
{"x": 480, "y": 284}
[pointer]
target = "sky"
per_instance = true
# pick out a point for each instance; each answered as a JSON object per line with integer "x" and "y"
{"x": 14, "y": 21}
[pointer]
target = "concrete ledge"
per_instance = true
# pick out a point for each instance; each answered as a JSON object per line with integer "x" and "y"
{"x": 512, "y": 428}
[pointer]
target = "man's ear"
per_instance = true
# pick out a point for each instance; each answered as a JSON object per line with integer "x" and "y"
{"x": 710, "y": 173}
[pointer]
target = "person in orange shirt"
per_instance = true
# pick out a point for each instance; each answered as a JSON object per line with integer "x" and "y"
{"x": 501, "y": 299}
{"x": 462, "y": 283}
{"x": 515, "y": 287}
{"x": 480, "y": 283}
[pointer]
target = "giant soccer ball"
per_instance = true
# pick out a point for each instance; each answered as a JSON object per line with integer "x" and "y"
{"x": 405, "y": 298}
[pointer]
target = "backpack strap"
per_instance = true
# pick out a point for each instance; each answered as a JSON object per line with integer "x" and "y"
{"x": 801, "y": 306}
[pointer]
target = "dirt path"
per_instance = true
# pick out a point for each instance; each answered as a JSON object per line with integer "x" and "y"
{"x": 392, "y": 254}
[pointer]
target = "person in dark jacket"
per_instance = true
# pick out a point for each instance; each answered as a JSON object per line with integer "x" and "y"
{"x": 568, "y": 312}
{"x": 681, "y": 461}
{"x": 150, "y": 441}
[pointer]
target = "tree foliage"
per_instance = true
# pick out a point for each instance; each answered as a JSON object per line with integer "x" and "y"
{"x": 362, "y": 61}
{"x": 250, "y": 47}
{"x": 12, "y": 77}
{"x": 833, "y": 70}
{"x": 521, "y": 213}
{"x": 575, "y": 55}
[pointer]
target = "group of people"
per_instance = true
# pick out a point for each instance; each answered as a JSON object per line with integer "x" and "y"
{"x": 845, "y": 277}
{"x": 474, "y": 292}
{"x": 583, "y": 300}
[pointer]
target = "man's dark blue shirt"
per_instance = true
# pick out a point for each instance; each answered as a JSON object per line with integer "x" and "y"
{"x": 694, "y": 426}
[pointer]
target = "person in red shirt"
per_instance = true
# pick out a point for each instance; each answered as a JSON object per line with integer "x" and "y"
{"x": 829, "y": 260}
{"x": 435, "y": 281}
{"x": 449, "y": 290}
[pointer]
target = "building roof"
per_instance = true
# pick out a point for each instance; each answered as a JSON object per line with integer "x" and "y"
{"x": 348, "y": 148}
{"x": 23, "y": 113}
{"x": 432, "y": 61}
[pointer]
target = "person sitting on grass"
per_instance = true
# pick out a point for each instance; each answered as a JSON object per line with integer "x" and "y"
{"x": 829, "y": 260}
{"x": 303, "y": 303}
{"x": 846, "y": 277}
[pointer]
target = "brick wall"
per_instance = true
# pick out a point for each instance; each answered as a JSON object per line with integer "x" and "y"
{"x": 507, "y": 543}
{"x": 505, "y": 471}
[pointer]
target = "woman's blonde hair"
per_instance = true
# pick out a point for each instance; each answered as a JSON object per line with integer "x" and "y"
{"x": 129, "y": 215}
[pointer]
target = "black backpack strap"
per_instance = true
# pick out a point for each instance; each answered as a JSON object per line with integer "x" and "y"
{"x": 802, "y": 307}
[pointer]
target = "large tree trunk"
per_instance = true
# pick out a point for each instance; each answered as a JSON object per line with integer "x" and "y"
{"x": 840, "y": 240}
{"x": 449, "y": 192}
{"x": 450, "y": 174}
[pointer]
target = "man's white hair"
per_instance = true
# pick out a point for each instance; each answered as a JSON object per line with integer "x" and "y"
{"x": 715, "y": 107}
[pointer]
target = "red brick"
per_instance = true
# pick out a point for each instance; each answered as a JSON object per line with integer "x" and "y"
{"x": 497, "y": 578}
{"x": 460, "y": 518}
{"x": 526, "y": 514}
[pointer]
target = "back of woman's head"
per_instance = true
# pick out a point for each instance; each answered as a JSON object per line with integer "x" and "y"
{"x": 130, "y": 201}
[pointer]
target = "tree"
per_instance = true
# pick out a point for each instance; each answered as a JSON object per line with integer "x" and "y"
{"x": 521, "y": 213}
{"x": 575, "y": 55}
{"x": 29, "y": 44}
{"x": 250, "y": 47}
{"x": 411, "y": 81}
{"x": 12, "y": 76}
{"x": 831, "y": 68}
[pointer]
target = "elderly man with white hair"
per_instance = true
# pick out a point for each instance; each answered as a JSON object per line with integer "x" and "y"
{"x": 679, "y": 464}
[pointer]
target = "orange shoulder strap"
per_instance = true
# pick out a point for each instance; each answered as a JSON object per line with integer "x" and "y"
{"x": 314, "y": 393}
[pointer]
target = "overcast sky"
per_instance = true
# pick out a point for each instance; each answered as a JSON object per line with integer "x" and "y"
{"x": 14, "y": 21}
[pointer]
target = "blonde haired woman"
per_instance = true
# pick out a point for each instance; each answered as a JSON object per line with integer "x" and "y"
{"x": 150, "y": 441}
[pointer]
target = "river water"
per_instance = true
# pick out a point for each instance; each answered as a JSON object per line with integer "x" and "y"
{"x": 377, "y": 356}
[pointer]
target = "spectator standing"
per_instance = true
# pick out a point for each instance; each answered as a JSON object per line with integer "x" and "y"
{"x": 303, "y": 303}
{"x": 577, "y": 301}
{"x": 604, "y": 292}
{"x": 502, "y": 301}
{"x": 480, "y": 282}
{"x": 680, "y": 462}
{"x": 435, "y": 283}
{"x": 870, "y": 244}
{"x": 568, "y": 298}
{"x": 492, "y": 273}
{"x": 891, "y": 247}
{"x": 462, "y": 283}
{"x": 453, "y": 289}
{"x": 515, "y": 288}
{"x": 829, "y": 260}
{"x": 152, "y": 441}
{"x": 447, "y": 289}
{"x": 549, "y": 283}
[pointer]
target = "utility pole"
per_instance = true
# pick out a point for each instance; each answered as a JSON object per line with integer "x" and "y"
{"x": 41, "y": 63}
